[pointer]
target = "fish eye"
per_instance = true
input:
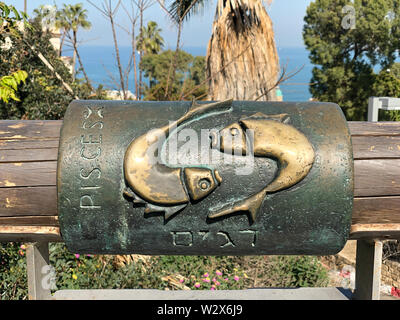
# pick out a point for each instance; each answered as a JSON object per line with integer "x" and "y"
{"x": 234, "y": 131}
{"x": 204, "y": 184}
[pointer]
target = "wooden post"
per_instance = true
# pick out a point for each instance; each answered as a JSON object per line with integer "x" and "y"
{"x": 37, "y": 258}
{"x": 368, "y": 270}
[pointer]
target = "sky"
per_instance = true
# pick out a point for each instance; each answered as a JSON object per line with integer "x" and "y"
{"x": 286, "y": 15}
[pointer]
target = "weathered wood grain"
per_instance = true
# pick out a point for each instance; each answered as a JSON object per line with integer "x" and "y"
{"x": 372, "y": 210}
{"x": 28, "y": 195}
{"x": 29, "y": 234}
{"x": 20, "y": 130}
{"x": 360, "y": 128}
{"x": 375, "y": 231}
{"x": 28, "y": 174}
{"x": 28, "y": 155}
{"x": 30, "y": 221}
{"x": 376, "y": 177}
{"x": 382, "y": 147}
{"x": 33, "y": 201}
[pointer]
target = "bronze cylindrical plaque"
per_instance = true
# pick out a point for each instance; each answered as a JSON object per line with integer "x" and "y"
{"x": 207, "y": 178}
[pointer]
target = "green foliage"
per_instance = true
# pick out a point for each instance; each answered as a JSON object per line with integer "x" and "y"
{"x": 160, "y": 272}
{"x": 9, "y": 85}
{"x": 9, "y": 18}
{"x": 189, "y": 79}
{"x": 42, "y": 96}
{"x": 297, "y": 271}
{"x": 180, "y": 10}
{"x": 345, "y": 57}
{"x": 13, "y": 282}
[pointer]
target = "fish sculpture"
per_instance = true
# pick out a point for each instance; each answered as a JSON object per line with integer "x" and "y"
{"x": 162, "y": 188}
{"x": 272, "y": 137}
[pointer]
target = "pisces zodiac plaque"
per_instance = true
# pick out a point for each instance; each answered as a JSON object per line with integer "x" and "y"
{"x": 205, "y": 178}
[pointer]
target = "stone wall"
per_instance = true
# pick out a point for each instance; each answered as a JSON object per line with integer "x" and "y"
{"x": 391, "y": 273}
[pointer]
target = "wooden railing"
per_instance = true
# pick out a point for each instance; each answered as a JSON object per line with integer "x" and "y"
{"x": 28, "y": 195}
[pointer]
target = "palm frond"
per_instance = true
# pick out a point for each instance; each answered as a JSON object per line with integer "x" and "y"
{"x": 183, "y": 9}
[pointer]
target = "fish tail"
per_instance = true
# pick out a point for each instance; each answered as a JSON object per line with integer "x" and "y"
{"x": 251, "y": 205}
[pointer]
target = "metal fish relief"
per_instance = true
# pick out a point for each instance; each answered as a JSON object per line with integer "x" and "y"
{"x": 156, "y": 185}
{"x": 166, "y": 189}
{"x": 273, "y": 138}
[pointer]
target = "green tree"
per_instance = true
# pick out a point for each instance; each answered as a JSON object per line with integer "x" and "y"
{"x": 346, "y": 41}
{"x": 149, "y": 40}
{"x": 188, "y": 75}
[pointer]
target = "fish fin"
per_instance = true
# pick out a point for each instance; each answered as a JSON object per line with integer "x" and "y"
{"x": 131, "y": 195}
{"x": 251, "y": 205}
{"x": 196, "y": 107}
{"x": 283, "y": 117}
{"x": 168, "y": 211}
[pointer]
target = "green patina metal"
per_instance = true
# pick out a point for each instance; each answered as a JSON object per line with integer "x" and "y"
{"x": 212, "y": 202}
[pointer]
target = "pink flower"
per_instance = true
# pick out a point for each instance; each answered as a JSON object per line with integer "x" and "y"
{"x": 226, "y": 279}
{"x": 197, "y": 285}
{"x": 212, "y": 289}
{"x": 214, "y": 280}
{"x": 236, "y": 278}
{"x": 395, "y": 292}
{"x": 218, "y": 273}
{"x": 181, "y": 280}
{"x": 77, "y": 255}
{"x": 206, "y": 280}
{"x": 206, "y": 275}
{"x": 218, "y": 283}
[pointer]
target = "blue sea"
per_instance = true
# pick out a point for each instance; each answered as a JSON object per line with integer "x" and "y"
{"x": 100, "y": 65}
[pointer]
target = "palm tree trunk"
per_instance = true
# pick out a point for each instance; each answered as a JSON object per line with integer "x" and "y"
{"x": 242, "y": 27}
{"x": 172, "y": 69}
{"x": 62, "y": 43}
{"x": 140, "y": 52}
{"x": 121, "y": 74}
{"x": 80, "y": 61}
{"x": 74, "y": 65}
{"x": 135, "y": 64}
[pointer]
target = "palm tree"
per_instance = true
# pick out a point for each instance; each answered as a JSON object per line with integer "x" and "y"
{"x": 62, "y": 24}
{"x": 75, "y": 18}
{"x": 46, "y": 15}
{"x": 149, "y": 41}
{"x": 242, "y": 61}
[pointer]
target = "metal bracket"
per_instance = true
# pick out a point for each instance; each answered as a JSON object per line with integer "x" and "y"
{"x": 37, "y": 258}
{"x": 384, "y": 103}
{"x": 368, "y": 270}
